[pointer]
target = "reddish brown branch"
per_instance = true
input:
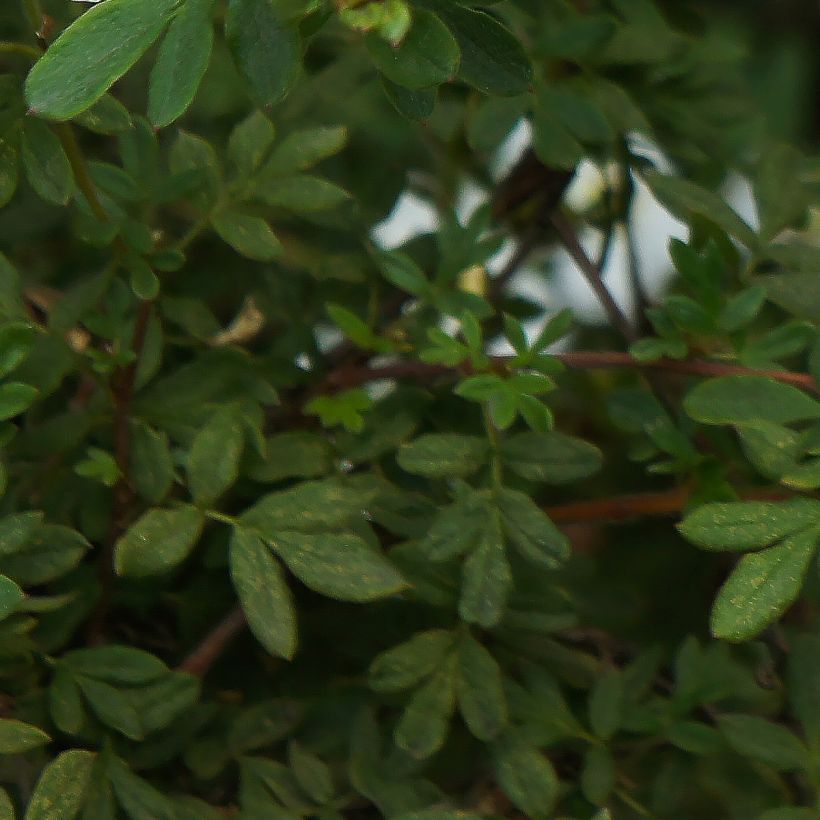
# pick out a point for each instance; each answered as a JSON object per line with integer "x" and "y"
{"x": 122, "y": 388}
{"x": 346, "y": 378}
{"x": 214, "y": 644}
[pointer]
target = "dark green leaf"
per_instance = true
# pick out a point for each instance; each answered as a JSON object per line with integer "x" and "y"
{"x": 423, "y": 727}
{"x": 59, "y": 792}
{"x": 10, "y": 596}
{"x": 309, "y": 506}
{"x": 311, "y": 773}
{"x": 480, "y": 690}
{"x": 492, "y": 58}
{"x": 763, "y": 740}
{"x": 761, "y": 587}
{"x": 248, "y": 235}
{"x": 525, "y": 776}
{"x": 443, "y": 454}
{"x": 46, "y": 164}
{"x": 158, "y": 541}
{"x": 115, "y": 664}
{"x": 598, "y": 774}
{"x": 112, "y": 707}
{"x": 428, "y": 54}
{"x": 487, "y": 579}
{"x": 94, "y": 52}
{"x": 181, "y": 62}
{"x": 213, "y": 461}
{"x": 531, "y": 531}
{"x": 339, "y": 566}
{"x": 17, "y": 737}
{"x": 748, "y": 399}
{"x": 743, "y": 525}
{"x": 265, "y": 48}
{"x": 552, "y": 457}
{"x": 264, "y": 594}
{"x": 410, "y": 662}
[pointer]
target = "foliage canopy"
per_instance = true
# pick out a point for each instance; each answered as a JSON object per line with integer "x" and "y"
{"x": 295, "y": 524}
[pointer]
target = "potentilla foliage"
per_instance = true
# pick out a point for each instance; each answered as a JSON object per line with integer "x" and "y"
{"x": 285, "y": 532}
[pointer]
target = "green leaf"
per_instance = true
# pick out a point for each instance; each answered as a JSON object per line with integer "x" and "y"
{"x": 248, "y": 235}
{"x": 92, "y": 53}
{"x": 264, "y": 594}
{"x": 780, "y": 193}
{"x": 552, "y": 457}
{"x": 16, "y": 529}
{"x": 6, "y": 806}
{"x": 65, "y": 703}
{"x": 250, "y": 142}
{"x": 17, "y": 737}
{"x": 181, "y": 62}
{"x": 107, "y": 116}
{"x": 160, "y": 703}
{"x": 125, "y": 665}
{"x": 10, "y": 596}
{"x": 264, "y": 724}
{"x": 298, "y": 454}
{"x": 158, "y": 541}
{"x": 803, "y": 687}
{"x": 138, "y": 798}
{"x": 415, "y": 104}
{"x": 15, "y": 397}
{"x": 423, "y": 727}
{"x": 312, "y": 774}
{"x": 60, "y": 790}
{"x": 339, "y": 566}
{"x": 763, "y": 740}
{"x": 112, "y": 707}
{"x": 743, "y": 525}
{"x": 480, "y": 690}
{"x": 46, "y": 164}
{"x": 598, "y": 774}
{"x": 487, "y": 579}
{"x": 304, "y": 148}
{"x": 311, "y": 505}
{"x": 761, "y": 587}
{"x": 606, "y": 704}
{"x": 151, "y": 470}
{"x": 16, "y": 340}
{"x": 213, "y": 461}
{"x": 684, "y": 198}
{"x": 525, "y": 776}
{"x": 771, "y": 448}
{"x": 456, "y": 528}
{"x": 410, "y": 662}
{"x": 492, "y": 58}
{"x": 531, "y": 531}
{"x": 50, "y": 552}
{"x": 428, "y": 54}
{"x": 797, "y": 293}
{"x": 435, "y": 455}
{"x": 748, "y": 399}
{"x": 301, "y": 192}
{"x": 266, "y": 49}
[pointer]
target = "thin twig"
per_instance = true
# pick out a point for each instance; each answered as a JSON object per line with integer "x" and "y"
{"x": 592, "y": 273}
{"x": 345, "y": 378}
{"x": 214, "y": 644}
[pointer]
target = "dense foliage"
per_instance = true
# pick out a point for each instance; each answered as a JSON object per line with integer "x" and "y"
{"x": 285, "y": 532}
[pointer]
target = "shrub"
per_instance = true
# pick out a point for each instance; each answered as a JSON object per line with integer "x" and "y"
{"x": 296, "y": 524}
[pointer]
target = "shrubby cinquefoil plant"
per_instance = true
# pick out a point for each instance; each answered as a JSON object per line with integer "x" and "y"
{"x": 285, "y": 533}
